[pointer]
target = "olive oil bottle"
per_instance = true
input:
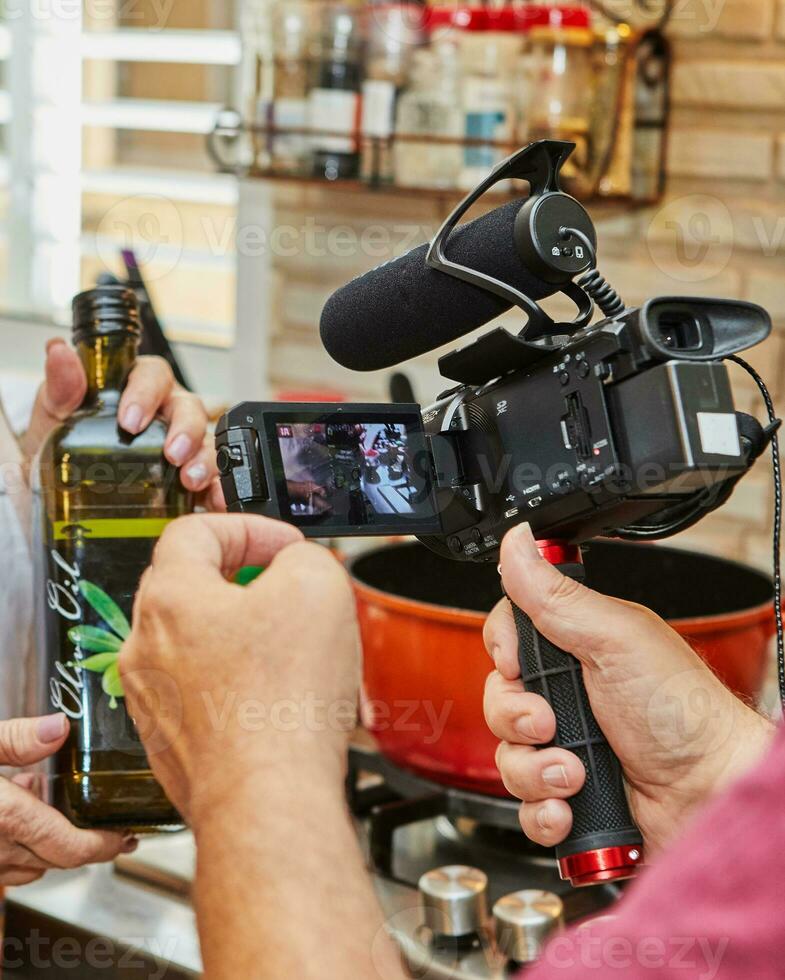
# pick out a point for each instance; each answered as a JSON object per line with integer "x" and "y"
{"x": 103, "y": 497}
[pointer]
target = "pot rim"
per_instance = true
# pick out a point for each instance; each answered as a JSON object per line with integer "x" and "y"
{"x": 472, "y": 619}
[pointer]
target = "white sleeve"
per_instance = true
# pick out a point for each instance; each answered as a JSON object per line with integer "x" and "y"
{"x": 16, "y": 578}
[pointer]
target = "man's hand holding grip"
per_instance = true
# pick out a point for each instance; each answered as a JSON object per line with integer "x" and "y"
{"x": 679, "y": 733}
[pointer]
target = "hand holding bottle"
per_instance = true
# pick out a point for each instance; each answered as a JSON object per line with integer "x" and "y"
{"x": 225, "y": 682}
{"x": 35, "y": 838}
{"x": 151, "y": 390}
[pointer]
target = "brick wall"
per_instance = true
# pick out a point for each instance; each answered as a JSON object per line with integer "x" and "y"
{"x": 726, "y": 205}
{"x": 720, "y": 230}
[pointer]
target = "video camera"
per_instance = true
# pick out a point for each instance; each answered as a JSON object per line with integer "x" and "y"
{"x": 629, "y": 425}
{"x": 624, "y": 427}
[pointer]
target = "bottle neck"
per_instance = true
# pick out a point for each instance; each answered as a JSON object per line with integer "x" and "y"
{"x": 107, "y": 360}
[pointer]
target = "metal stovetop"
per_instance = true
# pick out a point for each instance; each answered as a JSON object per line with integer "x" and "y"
{"x": 135, "y": 919}
{"x": 142, "y": 906}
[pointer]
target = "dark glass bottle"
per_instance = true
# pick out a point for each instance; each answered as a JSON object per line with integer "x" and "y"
{"x": 103, "y": 497}
{"x": 334, "y": 101}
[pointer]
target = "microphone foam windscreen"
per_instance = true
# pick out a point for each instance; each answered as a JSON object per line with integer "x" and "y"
{"x": 404, "y": 308}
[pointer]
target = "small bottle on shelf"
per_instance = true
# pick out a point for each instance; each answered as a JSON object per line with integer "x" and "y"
{"x": 257, "y": 77}
{"x": 430, "y": 108}
{"x": 334, "y": 101}
{"x": 393, "y": 36}
{"x": 488, "y": 107}
{"x": 562, "y": 87}
{"x": 290, "y": 150}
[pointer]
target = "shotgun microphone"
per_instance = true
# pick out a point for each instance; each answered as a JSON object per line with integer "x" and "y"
{"x": 405, "y": 308}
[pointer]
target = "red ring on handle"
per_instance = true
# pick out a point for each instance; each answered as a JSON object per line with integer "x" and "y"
{"x": 604, "y": 864}
{"x": 558, "y": 552}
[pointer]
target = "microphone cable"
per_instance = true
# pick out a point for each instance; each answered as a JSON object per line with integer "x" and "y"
{"x": 593, "y": 283}
{"x": 774, "y": 424}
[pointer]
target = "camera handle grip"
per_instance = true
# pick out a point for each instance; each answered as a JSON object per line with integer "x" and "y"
{"x": 604, "y": 844}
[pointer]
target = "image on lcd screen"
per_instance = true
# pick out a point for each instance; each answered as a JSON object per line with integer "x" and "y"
{"x": 347, "y": 473}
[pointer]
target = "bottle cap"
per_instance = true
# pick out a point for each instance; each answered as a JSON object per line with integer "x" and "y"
{"x": 519, "y": 18}
{"x": 556, "y": 17}
{"x": 106, "y": 310}
{"x": 460, "y": 18}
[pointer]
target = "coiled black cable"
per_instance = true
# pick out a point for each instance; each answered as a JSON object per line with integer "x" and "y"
{"x": 593, "y": 283}
{"x": 603, "y": 294}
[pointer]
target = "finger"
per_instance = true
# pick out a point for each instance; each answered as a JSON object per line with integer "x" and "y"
{"x": 501, "y": 640}
{"x": 17, "y": 856}
{"x": 547, "y": 822}
{"x": 150, "y": 384}
{"x": 16, "y": 877}
{"x": 219, "y": 545}
{"x": 25, "y": 741}
{"x": 213, "y": 498}
{"x": 199, "y": 472}
{"x": 515, "y": 715}
{"x": 539, "y": 774}
{"x": 28, "y": 781}
{"x": 571, "y": 616}
{"x": 59, "y": 396}
{"x": 310, "y": 567}
{"x": 187, "y": 421}
{"x": 52, "y": 838}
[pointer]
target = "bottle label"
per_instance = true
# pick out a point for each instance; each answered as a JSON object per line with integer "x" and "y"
{"x": 492, "y": 126}
{"x": 92, "y": 571}
{"x": 335, "y": 111}
{"x": 378, "y": 109}
{"x": 290, "y": 114}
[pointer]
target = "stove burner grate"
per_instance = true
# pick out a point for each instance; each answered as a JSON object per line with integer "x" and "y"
{"x": 403, "y": 798}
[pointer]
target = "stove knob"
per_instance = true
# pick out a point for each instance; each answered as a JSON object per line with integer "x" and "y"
{"x": 454, "y": 900}
{"x": 524, "y": 921}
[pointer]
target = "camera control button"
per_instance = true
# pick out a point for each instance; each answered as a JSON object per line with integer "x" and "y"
{"x": 564, "y": 378}
{"x": 584, "y": 369}
{"x": 227, "y": 459}
{"x": 477, "y": 536}
{"x": 455, "y": 545}
{"x": 242, "y": 469}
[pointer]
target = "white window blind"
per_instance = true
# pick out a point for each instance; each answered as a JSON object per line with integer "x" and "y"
{"x": 106, "y": 119}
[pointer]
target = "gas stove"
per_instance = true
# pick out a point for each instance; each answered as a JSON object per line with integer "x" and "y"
{"x": 464, "y": 894}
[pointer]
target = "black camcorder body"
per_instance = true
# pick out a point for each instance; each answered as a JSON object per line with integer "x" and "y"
{"x": 624, "y": 427}
{"x": 632, "y": 417}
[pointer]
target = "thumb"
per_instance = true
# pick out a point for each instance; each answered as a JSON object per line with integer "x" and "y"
{"x": 576, "y": 619}
{"x": 25, "y": 741}
{"x": 59, "y": 396}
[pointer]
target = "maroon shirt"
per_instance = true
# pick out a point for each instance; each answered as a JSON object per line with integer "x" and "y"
{"x": 712, "y": 907}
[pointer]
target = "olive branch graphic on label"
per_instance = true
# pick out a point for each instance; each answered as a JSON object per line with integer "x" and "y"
{"x": 104, "y": 645}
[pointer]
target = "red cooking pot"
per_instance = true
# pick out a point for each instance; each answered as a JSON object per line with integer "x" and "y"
{"x": 421, "y": 619}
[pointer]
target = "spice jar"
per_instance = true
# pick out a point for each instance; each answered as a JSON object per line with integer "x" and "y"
{"x": 289, "y": 148}
{"x": 430, "y": 108}
{"x": 395, "y": 32}
{"x": 613, "y": 113}
{"x": 489, "y": 46}
{"x": 334, "y": 99}
{"x": 256, "y": 75}
{"x": 561, "y": 86}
